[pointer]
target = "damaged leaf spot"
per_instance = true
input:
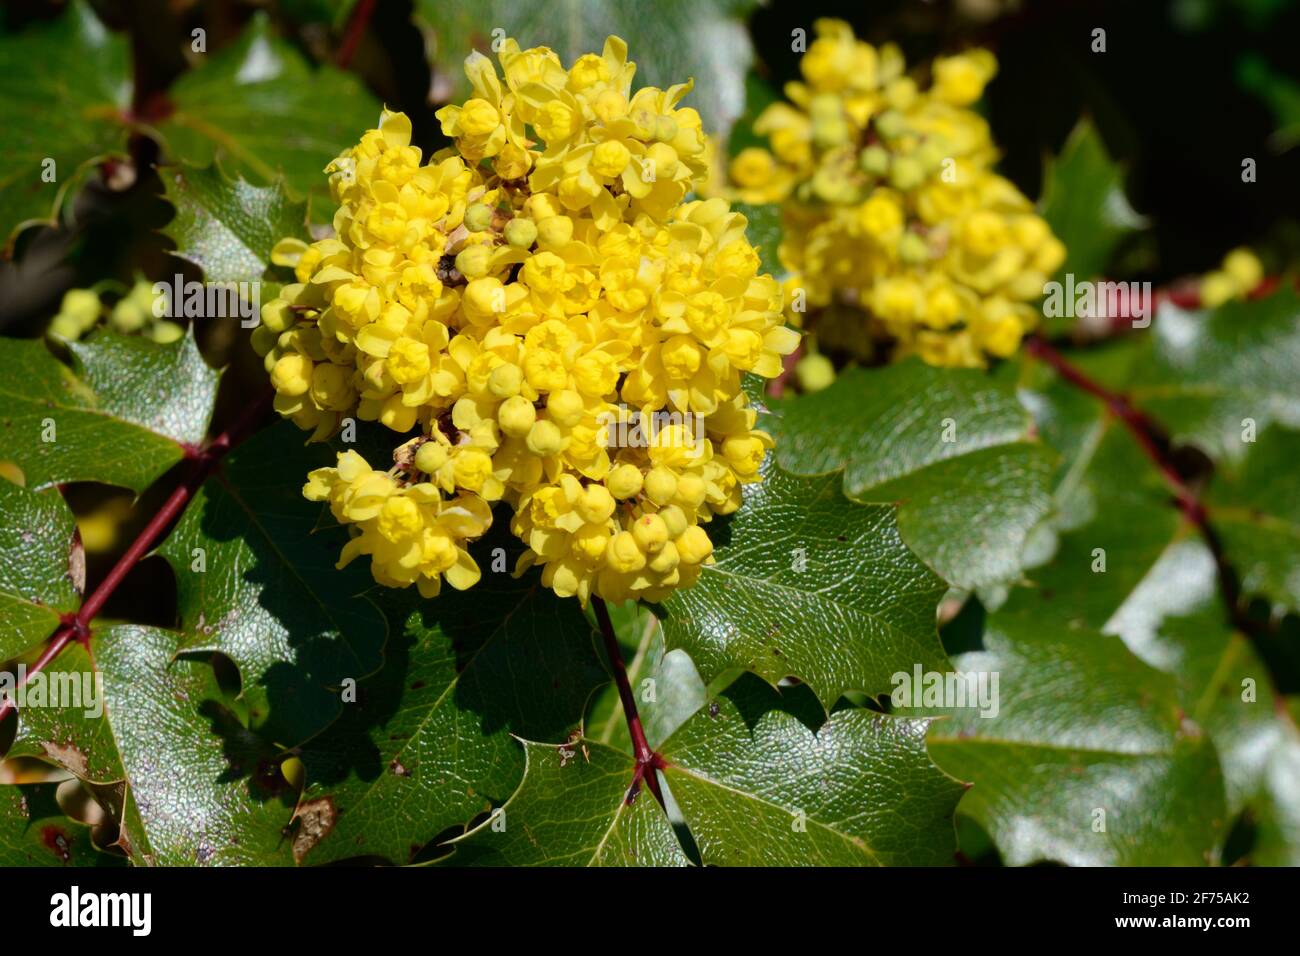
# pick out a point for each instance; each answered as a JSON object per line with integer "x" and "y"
{"x": 316, "y": 820}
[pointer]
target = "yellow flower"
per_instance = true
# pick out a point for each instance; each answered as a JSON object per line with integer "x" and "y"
{"x": 531, "y": 303}
{"x": 897, "y": 234}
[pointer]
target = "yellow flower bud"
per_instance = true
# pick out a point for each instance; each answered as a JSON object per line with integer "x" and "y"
{"x": 292, "y": 374}
{"x": 517, "y": 417}
{"x": 544, "y": 438}
{"x": 660, "y": 485}
{"x": 694, "y": 546}
{"x": 431, "y": 456}
{"x": 624, "y": 481}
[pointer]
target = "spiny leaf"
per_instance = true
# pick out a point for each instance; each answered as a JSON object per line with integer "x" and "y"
{"x": 120, "y": 415}
{"x": 266, "y": 112}
{"x": 715, "y": 50}
{"x": 952, "y": 447}
{"x": 1089, "y": 760}
{"x": 569, "y": 811}
{"x": 757, "y": 786}
{"x": 761, "y": 778}
{"x": 808, "y": 584}
{"x": 200, "y": 789}
{"x": 427, "y": 744}
{"x": 36, "y": 587}
{"x": 1084, "y": 203}
{"x": 227, "y": 227}
{"x": 256, "y": 582}
{"x": 64, "y": 87}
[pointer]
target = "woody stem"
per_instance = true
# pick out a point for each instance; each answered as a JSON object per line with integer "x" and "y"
{"x": 647, "y": 761}
{"x": 202, "y": 461}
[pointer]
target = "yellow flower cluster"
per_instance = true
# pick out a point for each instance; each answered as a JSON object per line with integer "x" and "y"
{"x": 557, "y": 326}
{"x": 899, "y": 237}
{"x": 81, "y": 310}
{"x": 1236, "y": 278}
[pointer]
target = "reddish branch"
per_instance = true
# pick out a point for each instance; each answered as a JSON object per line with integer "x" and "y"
{"x": 356, "y": 27}
{"x": 1153, "y": 442}
{"x": 647, "y": 761}
{"x": 202, "y": 460}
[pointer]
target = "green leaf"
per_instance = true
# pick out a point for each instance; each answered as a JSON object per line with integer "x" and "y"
{"x": 1175, "y": 620}
{"x": 764, "y": 233}
{"x": 427, "y": 744}
{"x": 758, "y": 786}
{"x": 752, "y": 776}
{"x": 1208, "y": 373}
{"x": 255, "y": 581}
{"x": 200, "y": 789}
{"x": 1082, "y": 728}
{"x": 121, "y": 415}
{"x": 951, "y": 447}
{"x": 701, "y": 39}
{"x": 1084, "y": 203}
{"x": 808, "y": 584}
{"x": 34, "y": 831}
{"x": 570, "y": 811}
{"x": 1256, "y": 510}
{"x": 64, "y": 87}
{"x": 260, "y": 106}
{"x": 36, "y": 583}
{"x": 227, "y": 227}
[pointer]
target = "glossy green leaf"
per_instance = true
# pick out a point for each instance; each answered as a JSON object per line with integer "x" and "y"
{"x": 715, "y": 51}
{"x": 64, "y": 88}
{"x": 200, "y": 789}
{"x": 1090, "y": 759}
{"x": 1175, "y": 620}
{"x": 266, "y": 112}
{"x": 569, "y": 811}
{"x": 255, "y": 581}
{"x": 1214, "y": 377}
{"x": 36, "y": 582}
{"x": 427, "y": 744}
{"x": 227, "y": 227}
{"x": 760, "y": 778}
{"x": 951, "y": 447}
{"x": 121, "y": 414}
{"x": 758, "y": 786}
{"x": 809, "y": 584}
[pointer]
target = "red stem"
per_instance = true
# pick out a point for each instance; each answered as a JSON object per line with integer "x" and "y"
{"x": 647, "y": 761}
{"x": 202, "y": 462}
{"x": 1143, "y": 429}
{"x": 1151, "y": 439}
{"x": 356, "y": 28}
